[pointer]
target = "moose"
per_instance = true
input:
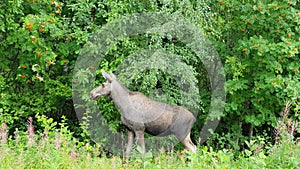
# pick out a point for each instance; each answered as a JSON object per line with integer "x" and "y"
{"x": 141, "y": 114}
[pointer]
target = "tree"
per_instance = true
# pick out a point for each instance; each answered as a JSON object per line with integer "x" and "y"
{"x": 262, "y": 56}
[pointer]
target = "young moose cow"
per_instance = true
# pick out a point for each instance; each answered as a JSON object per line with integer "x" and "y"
{"x": 141, "y": 114}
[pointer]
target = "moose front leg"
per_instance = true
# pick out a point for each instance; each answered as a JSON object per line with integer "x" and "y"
{"x": 129, "y": 144}
{"x": 141, "y": 141}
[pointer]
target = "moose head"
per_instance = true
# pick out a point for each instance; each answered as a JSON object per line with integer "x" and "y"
{"x": 105, "y": 88}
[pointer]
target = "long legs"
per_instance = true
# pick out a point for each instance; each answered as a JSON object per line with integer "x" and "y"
{"x": 140, "y": 139}
{"x": 188, "y": 144}
{"x": 129, "y": 144}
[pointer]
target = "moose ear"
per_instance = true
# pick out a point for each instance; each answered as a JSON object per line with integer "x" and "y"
{"x": 106, "y": 76}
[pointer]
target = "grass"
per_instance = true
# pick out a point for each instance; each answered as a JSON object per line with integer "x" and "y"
{"x": 47, "y": 154}
{"x": 58, "y": 149}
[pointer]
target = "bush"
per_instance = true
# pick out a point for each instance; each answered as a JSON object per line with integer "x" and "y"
{"x": 257, "y": 41}
{"x": 260, "y": 47}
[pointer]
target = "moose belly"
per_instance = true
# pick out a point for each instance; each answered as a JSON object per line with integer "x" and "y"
{"x": 158, "y": 130}
{"x": 161, "y": 125}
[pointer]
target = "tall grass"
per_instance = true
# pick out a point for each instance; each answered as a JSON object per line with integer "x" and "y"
{"x": 58, "y": 149}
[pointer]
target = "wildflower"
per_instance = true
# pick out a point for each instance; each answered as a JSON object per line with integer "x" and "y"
{"x": 30, "y": 132}
{"x": 57, "y": 141}
{"x": 3, "y": 134}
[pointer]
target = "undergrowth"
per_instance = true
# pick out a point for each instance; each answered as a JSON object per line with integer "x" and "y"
{"x": 57, "y": 148}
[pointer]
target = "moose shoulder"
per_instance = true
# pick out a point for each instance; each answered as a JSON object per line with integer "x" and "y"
{"x": 142, "y": 114}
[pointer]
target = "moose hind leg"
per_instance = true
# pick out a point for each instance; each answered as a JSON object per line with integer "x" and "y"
{"x": 129, "y": 144}
{"x": 188, "y": 144}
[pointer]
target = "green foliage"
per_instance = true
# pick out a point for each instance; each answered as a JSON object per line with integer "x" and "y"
{"x": 59, "y": 151}
{"x": 39, "y": 49}
{"x": 39, "y": 44}
{"x": 176, "y": 84}
{"x": 51, "y": 149}
{"x": 262, "y": 56}
{"x": 258, "y": 42}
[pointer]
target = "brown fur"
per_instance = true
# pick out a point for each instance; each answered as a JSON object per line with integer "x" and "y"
{"x": 142, "y": 114}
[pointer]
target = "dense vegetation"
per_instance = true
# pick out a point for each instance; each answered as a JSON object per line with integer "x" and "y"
{"x": 42, "y": 41}
{"x": 59, "y": 149}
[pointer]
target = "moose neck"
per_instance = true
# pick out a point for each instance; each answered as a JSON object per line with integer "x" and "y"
{"x": 120, "y": 95}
